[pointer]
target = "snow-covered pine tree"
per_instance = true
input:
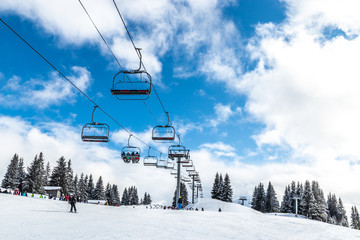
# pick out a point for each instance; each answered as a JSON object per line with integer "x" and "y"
{"x": 221, "y": 187}
{"x": 271, "y": 201}
{"x": 227, "y": 191}
{"x": 69, "y": 178}
{"x": 299, "y": 193}
{"x": 108, "y": 193}
{"x": 308, "y": 201}
{"x": 47, "y": 173}
{"x": 258, "y": 201}
{"x": 292, "y": 196}
{"x": 134, "y": 198}
{"x": 82, "y": 188}
{"x": 286, "y": 202}
{"x": 11, "y": 177}
{"x": 253, "y": 200}
{"x": 125, "y": 198}
{"x": 35, "y": 178}
{"x": 99, "y": 190}
{"x": 320, "y": 206}
{"x": 116, "y": 194}
{"x": 75, "y": 186}
{"x": 354, "y": 223}
{"x": 216, "y": 186}
{"x": 332, "y": 208}
{"x": 58, "y": 175}
{"x": 341, "y": 217}
{"x": 90, "y": 188}
{"x": 21, "y": 174}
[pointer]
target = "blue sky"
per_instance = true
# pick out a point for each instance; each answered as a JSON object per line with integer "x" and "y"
{"x": 263, "y": 90}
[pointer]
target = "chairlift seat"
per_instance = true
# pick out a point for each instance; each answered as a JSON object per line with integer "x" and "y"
{"x": 95, "y": 132}
{"x": 150, "y": 161}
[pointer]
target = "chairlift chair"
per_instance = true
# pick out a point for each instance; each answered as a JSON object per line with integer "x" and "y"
{"x": 132, "y": 84}
{"x": 164, "y": 133}
{"x": 190, "y": 169}
{"x": 170, "y": 165}
{"x": 95, "y": 131}
{"x": 178, "y": 152}
{"x": 150, "y": 160}
{"x": 161, "y": 163}
{"x": 173, "y": 172}
{"x": 130, "y": 153}
{"x": 187, "y": 164}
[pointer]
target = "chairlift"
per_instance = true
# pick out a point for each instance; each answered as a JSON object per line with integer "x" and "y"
{"x": 178, "y": 152}
{"x": 161, "y": 163}
{"x": 94, "y": 131}
{"x": 190, "y": 169}
{"x": 173, "y": 172}
{"x": 187, "y": 164}
{"x": 170, "y": 165}
{"x": 132, "y": 84}
{"x": 193, "y": 173}
{"x": 130, "y": 153}
{"x": 150, "y": 160}
{"x": 164, "y": 133}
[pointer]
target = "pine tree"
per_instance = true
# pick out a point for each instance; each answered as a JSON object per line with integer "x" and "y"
{"x": 75, "y": 186}
{"x": 11, "y": 178}
{"x": 308, "y": 201}
{"x": 35, "y": 179}
{"x": 221, "y": 187}
{"x": 47, "y": 173}
{"x": 134, "y": 199}
{"x": 125, "y": 198}
{"x": 354, "y": 218}
{"x": 69, "y": 178}
{"x": 216, "y": 186}
{"x": 108, "y": 193}
{"x": 227, "y": 192}
{"x": 271, "y": 201}
{"x": 286, "y": 202}
{"x": 116, "y": 194}
{"x": 59, "y": 175}
{"x": 299, "y": 193}
{"x": 21, "y": 174}
{"x": 90, "y": 188}
{"x": 332, "y": 208}
{"x": 99, "y": 190}
{"x": 341, "y": 217}
{"x": 82, "y": 188}
{"x": 320, "y": 211}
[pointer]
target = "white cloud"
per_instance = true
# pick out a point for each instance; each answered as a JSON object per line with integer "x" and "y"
{"x": 43, "y": 93}
{"x": 223, "y": 113}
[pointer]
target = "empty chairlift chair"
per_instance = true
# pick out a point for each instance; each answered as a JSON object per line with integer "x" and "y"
{"x": 164, "y": 133}
{"x": 132, "y": 84}
{"x": 150, "y": 160}
{"x": 95, "y": 131}
{"x": 130, "y": 153}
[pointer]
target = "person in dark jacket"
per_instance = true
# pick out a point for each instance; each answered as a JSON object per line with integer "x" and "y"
{"x": 72, "y": 201}
{"x": 179, "y": 202}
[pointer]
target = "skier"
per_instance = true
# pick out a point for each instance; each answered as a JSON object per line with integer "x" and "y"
{"x": 179, "y": 203}
{"x": 72, "y": 201}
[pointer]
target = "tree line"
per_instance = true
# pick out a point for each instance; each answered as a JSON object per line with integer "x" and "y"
{"x": 311, "y": 202}
{"x": 37, "y": 176}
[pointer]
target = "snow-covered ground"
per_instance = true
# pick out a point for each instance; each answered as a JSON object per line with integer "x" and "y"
{"x": 44, "y": 219}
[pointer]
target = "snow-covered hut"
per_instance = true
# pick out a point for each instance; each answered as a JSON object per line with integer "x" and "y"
{"x": 52, "y": 191}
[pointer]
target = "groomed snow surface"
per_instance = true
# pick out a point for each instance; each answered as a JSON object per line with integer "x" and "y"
{"x": 45, "y": 219}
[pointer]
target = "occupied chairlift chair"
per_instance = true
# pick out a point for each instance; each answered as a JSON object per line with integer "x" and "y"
{"x": 130, "y": 153}
{"x": 132, "y": 84}
{"x": 94, "y": 131}
{"x": 150, "y": 160}
{"x": 164, "y": 133}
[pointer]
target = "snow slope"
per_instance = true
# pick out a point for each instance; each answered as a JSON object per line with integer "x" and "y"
{"x": 44, "y": 219}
